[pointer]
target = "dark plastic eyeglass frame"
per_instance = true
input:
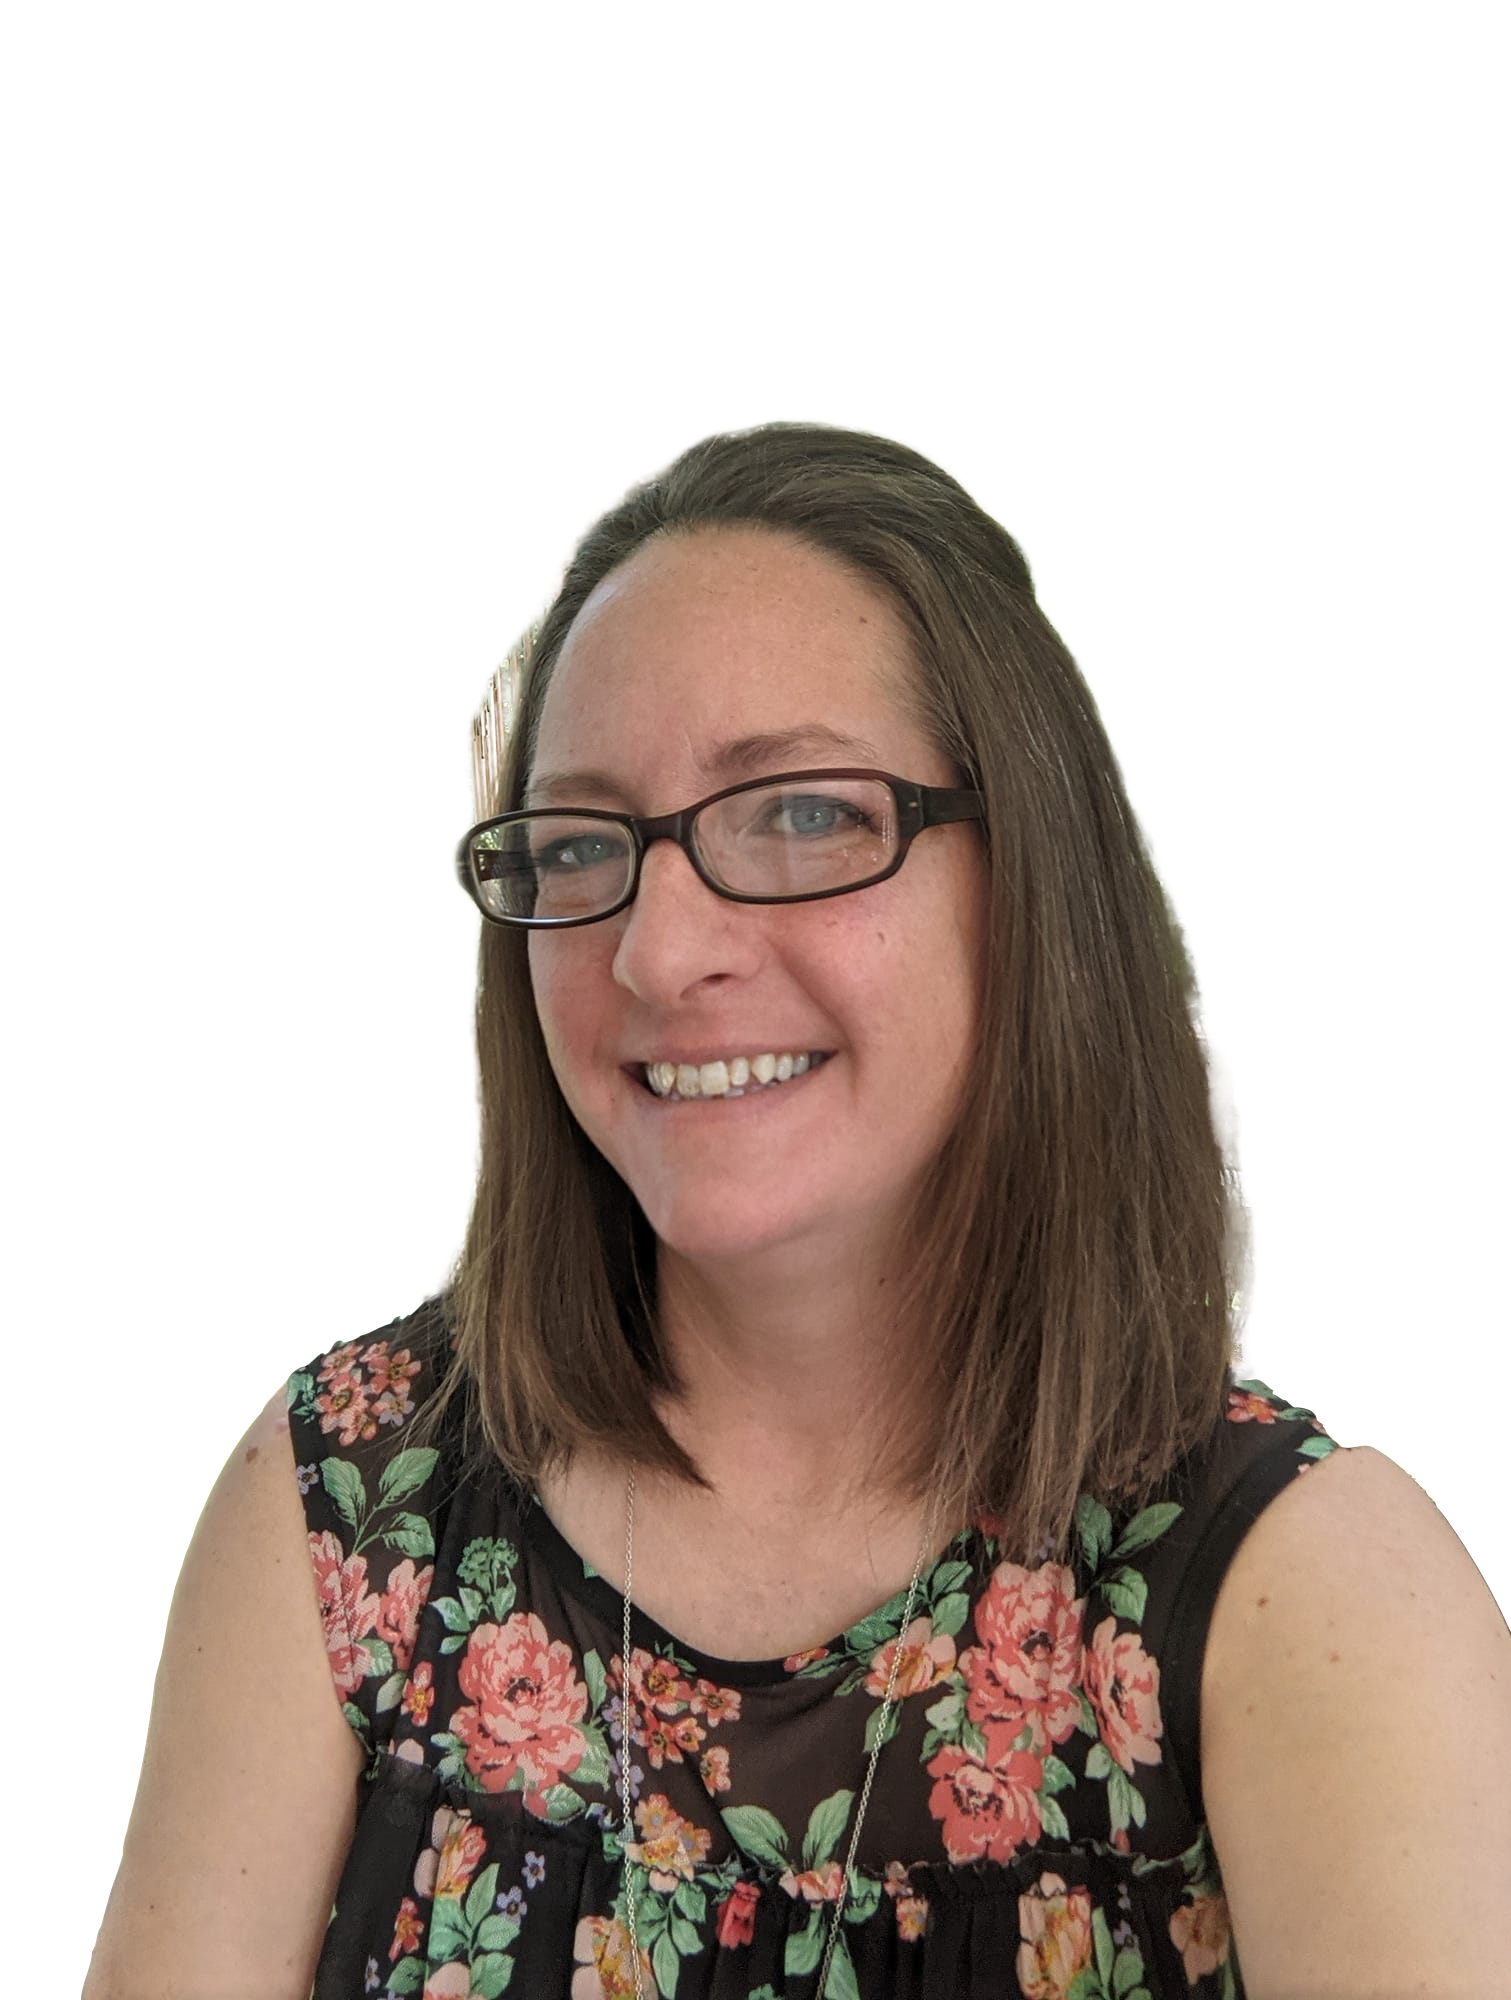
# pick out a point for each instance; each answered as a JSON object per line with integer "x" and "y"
{"x": 918, "y": 807}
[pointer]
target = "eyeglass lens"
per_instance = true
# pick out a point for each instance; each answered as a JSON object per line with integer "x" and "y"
{"x": 774, "y": 840}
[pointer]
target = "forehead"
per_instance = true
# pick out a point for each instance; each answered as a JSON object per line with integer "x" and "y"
{"x": 706, "y": 655}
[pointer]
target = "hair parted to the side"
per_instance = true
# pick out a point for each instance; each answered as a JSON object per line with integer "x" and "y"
{"x": 1075, "y": 1256}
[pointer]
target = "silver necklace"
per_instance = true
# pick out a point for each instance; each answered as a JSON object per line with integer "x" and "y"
{"x": 626, "y": 1744}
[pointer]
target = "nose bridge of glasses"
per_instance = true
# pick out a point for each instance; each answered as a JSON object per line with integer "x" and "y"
{"x": 676, "y": 827}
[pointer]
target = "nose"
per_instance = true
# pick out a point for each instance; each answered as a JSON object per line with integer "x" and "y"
{"x": 678, "y": 935}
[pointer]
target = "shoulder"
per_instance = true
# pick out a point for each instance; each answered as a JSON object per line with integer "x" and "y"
{"x": 1356, "y": 1689}
{"x": 364, "y": 1391}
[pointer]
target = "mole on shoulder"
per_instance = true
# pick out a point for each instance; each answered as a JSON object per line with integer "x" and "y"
{"x": 249, "y": 1454}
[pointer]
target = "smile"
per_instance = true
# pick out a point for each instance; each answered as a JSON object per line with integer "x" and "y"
{"x": 740, "y": 1074}
{"x": 732, "y": 1093}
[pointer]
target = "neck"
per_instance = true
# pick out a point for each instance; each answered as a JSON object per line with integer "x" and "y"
{"x": 781, "y": 1373}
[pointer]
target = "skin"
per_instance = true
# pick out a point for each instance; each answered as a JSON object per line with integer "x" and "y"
{"x": 772, "y": 1229}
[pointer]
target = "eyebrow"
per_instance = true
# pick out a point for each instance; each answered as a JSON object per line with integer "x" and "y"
{"x": 742, "y": 757}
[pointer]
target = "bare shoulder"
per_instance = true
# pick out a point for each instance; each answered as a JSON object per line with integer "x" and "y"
{"x": 1356, "y": 1710}
{"x": 246, "y": 1801}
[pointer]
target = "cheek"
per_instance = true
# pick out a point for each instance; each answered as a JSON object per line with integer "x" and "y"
{"x": 563, "y": 988}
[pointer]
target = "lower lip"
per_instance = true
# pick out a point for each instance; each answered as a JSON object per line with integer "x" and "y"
{"x": 736, "y": 1100}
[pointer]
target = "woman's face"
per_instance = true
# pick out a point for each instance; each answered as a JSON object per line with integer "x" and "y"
{"x": 704, "y": 660}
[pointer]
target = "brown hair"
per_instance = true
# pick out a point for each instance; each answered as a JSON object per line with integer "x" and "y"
{"x": 1077, "y": 1247}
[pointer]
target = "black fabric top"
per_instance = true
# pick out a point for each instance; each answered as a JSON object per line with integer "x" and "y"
{"x": 1036, "y": 1826}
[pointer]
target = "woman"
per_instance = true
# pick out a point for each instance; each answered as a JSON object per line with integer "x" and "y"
{"x": 851, "y": 1256}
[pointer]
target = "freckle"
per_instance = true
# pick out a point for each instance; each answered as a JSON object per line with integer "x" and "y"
{"x": 1263, "y": 1602}
{"x": 249, "y": 1454}
{"x": 1250, "y": 1709}
{"x": 1334, "y": 1658}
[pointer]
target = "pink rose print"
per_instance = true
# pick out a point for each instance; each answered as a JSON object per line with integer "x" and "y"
{"x": 988, "y": 1810}
{"x": 419, "y": 1694}
{"x": 815, "y": 1885}
{"x": 715, "y": 1704}
{"x": 910, "y": 1912}
{"x": 666, "y": 1707}
{"x": 452, "y": 1857}
{"x": 670, "y": 1846}
{"x": 449, "y": 1982}
{"x": 524, "y": 1705}
{"x": 364, "y": 1390}
{"x": 462, "y": 1849}
{"x": 408, "y": 1929}
{"x": 795, "y": 1662}
{"x": 1123, "y": 1683}
{"x": 1244, "y": 1407}
{"x": 737, "y": 1914}
{"x": 1199, "y": 1931}
{"x": 713, "y": 1769}
{"x": 400, "y": 1607}
{"x": 1055, "y": 1925}
{"x": 912, "y": 1918}
{"x": 601, "y": 1948}
{"x": 924, "y": 1660}
{"x": 1028, "y": 1664}
{"x": 348, "y": 1610}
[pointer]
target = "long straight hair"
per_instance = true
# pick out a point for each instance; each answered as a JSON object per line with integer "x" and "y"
{"x": 1075, "y": 1254}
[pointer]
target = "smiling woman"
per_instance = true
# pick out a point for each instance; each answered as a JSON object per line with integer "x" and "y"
{"x": 816, "y": 1546}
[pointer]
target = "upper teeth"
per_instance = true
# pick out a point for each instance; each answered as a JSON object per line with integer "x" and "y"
{"x": 721, "y": 1079}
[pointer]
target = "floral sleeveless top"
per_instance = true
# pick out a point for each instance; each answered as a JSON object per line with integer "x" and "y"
{"x": 1036, "y": 1827}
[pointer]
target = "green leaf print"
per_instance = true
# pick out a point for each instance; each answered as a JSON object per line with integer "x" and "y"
{"x": 805, "y": 1947}
{"x": 884, "y": 1723}
{"x": 862, "y": 1898}
{"x": 1052, "y": 1814}
{"x": 948, "y": 1578}
{"x": 449, "y": 1937}
{"x": 666, "y": 1963}
{"x": 408, "y": 1976}
{"x": 826, "y": 1828}
{"x": 1127, "y": 1972}
{"x": 841, "y": 1983}
{"x": 480, "y": 1896}
{"x": 689, "y": 1901}
{"x": 593, "y": 1768}
{"x": 758, "y": 1833}
{"x": 410, "y": 1534}
{"x": 496, "y": 1933}
{"x": 862, "y": 1640}
{"x": 489, "y": 1975}
{"x": 1086, "y": 1986}
{"x": 1098, "y": 1761}
{"x": 596, "y": 1679}
{"x": 1316, "y": 1447}
{"x": 1126, "y": 1593}
{"x": 486, "y": 1561}
{"x": 950, "y": 1613}
{"x": 1101, "y": 1940}
{"x": 301, "y": 1395}
{"x": 1058, "y": 1777}
{"x": 379, "y": 1657}
{"x": 390, "y": 1692}
{"x": 562, "y": 1803}
{"x": 946, "y": 1714}
{"x": 685, "y": 1936}
{"x": 343, "y": 1483}
{"x": 1094, "y": 1526}
{"x": 1148, "y": 1526}
{"x": 405, "y": 1473}
{"x": 452, "y": 1614}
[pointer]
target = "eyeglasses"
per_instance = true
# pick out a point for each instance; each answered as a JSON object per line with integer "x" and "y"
{"x": 788, "y": 839}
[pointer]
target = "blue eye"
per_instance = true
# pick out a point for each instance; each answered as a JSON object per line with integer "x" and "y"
{"x": 576, "y": 852}
{"x": 807, "y": 816}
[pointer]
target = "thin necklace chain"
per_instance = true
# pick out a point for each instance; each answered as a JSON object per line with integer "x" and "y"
{"x": 626, "y": 1744}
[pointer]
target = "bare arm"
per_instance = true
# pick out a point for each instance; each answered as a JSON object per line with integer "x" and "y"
{"x": 245, "y": 1807}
